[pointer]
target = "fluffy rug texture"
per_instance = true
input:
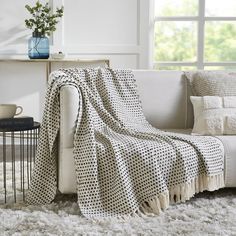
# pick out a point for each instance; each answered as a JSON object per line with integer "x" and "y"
{"x": 206, "y": 214}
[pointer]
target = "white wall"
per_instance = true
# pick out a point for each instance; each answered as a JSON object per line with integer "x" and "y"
{"x": 113, "y": 29}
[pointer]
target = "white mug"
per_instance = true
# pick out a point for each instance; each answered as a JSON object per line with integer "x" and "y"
{"x": 9, "y": 110}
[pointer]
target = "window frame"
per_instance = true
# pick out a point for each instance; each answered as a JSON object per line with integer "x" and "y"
{"x": 201, "y": 19}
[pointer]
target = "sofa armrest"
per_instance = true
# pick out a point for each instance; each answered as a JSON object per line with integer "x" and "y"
{"x": 69, "y": 105}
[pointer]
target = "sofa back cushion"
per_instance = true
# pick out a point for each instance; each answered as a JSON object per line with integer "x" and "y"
{"x": 165, "y": 98}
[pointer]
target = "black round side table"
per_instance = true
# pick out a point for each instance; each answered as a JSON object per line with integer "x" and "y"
{"x": 17, "y": 155}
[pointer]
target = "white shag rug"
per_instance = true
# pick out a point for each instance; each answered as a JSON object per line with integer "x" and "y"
{"x": 208, "y": 213}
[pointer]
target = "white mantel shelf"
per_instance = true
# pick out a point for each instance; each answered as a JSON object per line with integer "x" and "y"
{"x": 54, "y": 60}
{"x": 51, "y": 60}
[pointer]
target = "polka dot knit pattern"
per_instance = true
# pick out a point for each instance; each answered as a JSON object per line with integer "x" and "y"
{"x": 124, "y": 166}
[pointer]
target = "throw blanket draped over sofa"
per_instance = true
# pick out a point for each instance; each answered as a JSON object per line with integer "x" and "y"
{"x": 124, "y": 165}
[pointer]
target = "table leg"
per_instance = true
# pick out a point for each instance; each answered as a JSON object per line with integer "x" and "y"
{"x": 48, "y": 69}
{"x": 4, "y": 165}
{"x": 21, "y": 161}
{"x": 13, "y": 165}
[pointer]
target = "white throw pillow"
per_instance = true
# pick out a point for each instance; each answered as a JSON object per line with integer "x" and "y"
{"x": 214, "y": 115}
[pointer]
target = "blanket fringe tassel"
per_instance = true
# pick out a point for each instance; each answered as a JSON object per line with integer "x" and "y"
{"x": 181, "y": 193}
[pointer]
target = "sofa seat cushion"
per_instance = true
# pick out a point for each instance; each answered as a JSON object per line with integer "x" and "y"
{"x": 229, "y": 142}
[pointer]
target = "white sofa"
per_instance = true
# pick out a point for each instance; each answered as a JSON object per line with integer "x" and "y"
{"x": 166, "y": 105}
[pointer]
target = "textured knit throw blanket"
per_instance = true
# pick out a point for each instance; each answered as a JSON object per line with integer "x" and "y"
{"x": 124, "y": 166}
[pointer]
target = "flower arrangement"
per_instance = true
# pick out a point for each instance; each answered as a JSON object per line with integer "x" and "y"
{"x": 43, "y": 21}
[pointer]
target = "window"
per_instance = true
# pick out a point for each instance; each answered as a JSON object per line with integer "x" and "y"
{"x": 195, "y": 34}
